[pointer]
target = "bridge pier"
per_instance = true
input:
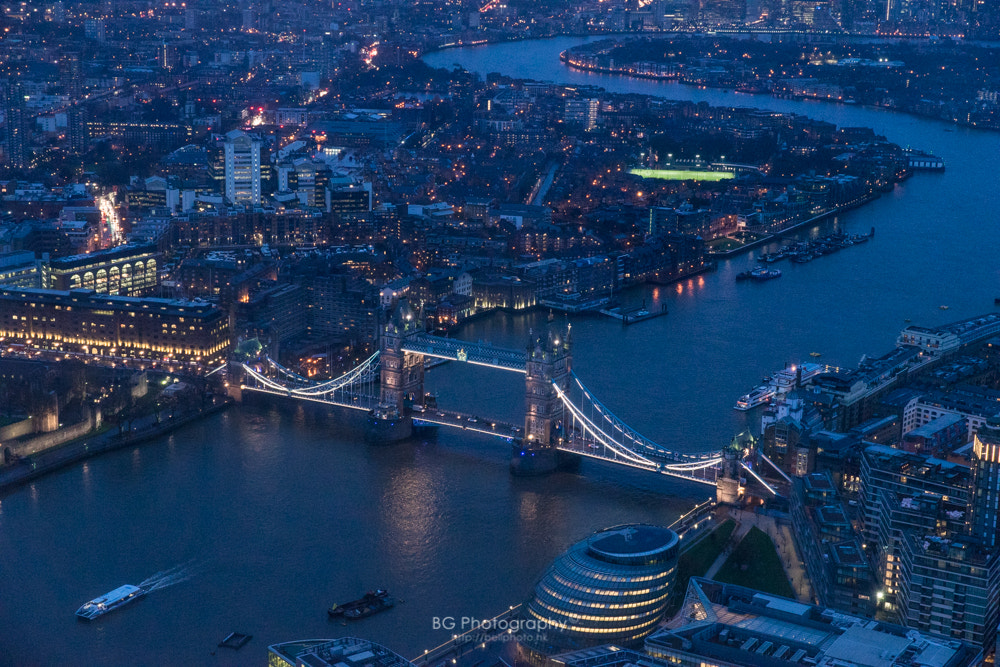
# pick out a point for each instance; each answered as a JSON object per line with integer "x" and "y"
{"x": 549, "y": 360}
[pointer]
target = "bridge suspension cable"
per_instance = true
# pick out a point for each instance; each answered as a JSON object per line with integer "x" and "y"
{"x": 369, "y": 367}
{"x": 600, "y": 436}
{"x": 358, "y": 383}
{"x": 636, "y": 442}
{"x": 287, "y": 372}
{"x": 604, "y": 436}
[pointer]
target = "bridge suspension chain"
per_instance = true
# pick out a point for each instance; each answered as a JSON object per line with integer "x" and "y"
{"x": 357, "y": 382}
{"x": 633, "y": 440}
{"x": 600, "y": 436}
{"x": 368, "y": 367}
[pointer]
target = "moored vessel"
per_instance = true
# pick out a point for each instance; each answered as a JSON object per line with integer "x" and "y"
{"x": 761, "y": 274}
{"x": 366, "y": 599}
{"x": 780, "y": 383}
{"x": 758, "y": 396}
{"x": 369, "y": 608}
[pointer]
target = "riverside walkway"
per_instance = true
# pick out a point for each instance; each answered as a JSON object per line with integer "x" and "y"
{"x": 97, "y": 442}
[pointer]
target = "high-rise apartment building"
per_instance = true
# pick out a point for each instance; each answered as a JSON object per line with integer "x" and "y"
{"x": 949, "y": 587}
{"x": 243, "y": 155}
{"x": 16, "y": 124}
{"x": 931, "y": 530}
{"x": 984, "y": 499}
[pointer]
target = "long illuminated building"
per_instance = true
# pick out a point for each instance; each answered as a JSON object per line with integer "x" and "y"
{"x": 80, "y": 321}
{"x": 127, "y": 270}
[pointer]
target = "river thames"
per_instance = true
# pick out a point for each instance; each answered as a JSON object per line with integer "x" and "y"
{"x": 268, "y": 516}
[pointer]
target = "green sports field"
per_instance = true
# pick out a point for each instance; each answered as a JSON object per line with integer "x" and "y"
{"x": 682, "y": 174}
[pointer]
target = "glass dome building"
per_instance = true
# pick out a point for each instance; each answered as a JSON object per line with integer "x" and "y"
{"x": 612, "y": 587}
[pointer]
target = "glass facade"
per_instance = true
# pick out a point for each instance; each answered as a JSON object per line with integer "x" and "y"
{"x": 612, "y": 587}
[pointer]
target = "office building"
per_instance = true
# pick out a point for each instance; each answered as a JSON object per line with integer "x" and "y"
{"x": 352, "y": 198}
{"x": 84, "y": 323}
{"x": 21, "y": 269}
{"x": 126, "y": 270}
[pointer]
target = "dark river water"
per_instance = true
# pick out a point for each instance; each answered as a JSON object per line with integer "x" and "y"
{"x": 258, "y": 519}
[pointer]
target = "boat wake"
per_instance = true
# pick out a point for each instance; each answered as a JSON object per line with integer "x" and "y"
{"x": 171, "y": 576}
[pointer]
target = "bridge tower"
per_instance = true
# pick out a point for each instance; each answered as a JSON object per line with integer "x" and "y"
{"x": 402, "y": 373}
{"x": 549, "y": 360}
{"x": 727, "y": 486}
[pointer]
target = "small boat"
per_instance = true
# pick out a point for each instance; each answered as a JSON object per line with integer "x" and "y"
{"x": 119, "y": 597}
{"x": 943, "y": 307}
{"x": 762, "y": 274}
{"x": 815, "y": 354}
{"x": 367, "y": 598}
{"x": 369, "y": 608}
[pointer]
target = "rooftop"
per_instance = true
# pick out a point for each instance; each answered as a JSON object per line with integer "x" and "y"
{"x": 929, "y": 429}
{"x": 890, "y": 459}
{"x": 848, "y": 553}
{"x": 343, "y": 652}
{"x": 630, "y": 541}
{"x": 87, "y": 298}
{"x": 128, "y": 250}
{"x": 728, "y": 624}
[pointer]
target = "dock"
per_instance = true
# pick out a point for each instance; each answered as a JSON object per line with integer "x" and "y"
{"x": 627, "y": 317}
{"x": 235, "y": 640}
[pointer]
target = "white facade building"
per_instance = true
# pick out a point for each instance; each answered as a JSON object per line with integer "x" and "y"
{"x": 243, "y": 168}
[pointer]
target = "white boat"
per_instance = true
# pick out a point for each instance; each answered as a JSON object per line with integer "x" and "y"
{"x": 110, "y": 601}
{"x": 780, "y": 383}
{"x": 784, "y": 379}
{"x": 758, "y": 396}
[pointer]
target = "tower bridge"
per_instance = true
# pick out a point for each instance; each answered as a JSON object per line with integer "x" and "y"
{"x": 562, "y": 417}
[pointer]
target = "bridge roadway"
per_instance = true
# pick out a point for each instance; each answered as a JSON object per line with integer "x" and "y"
{"x": 356, "y": 402}
{"x": 466, "y": 422}
{"x": 705, "y": 472}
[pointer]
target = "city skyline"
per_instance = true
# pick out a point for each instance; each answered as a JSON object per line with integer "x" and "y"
{"x": 508, "y": 334}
